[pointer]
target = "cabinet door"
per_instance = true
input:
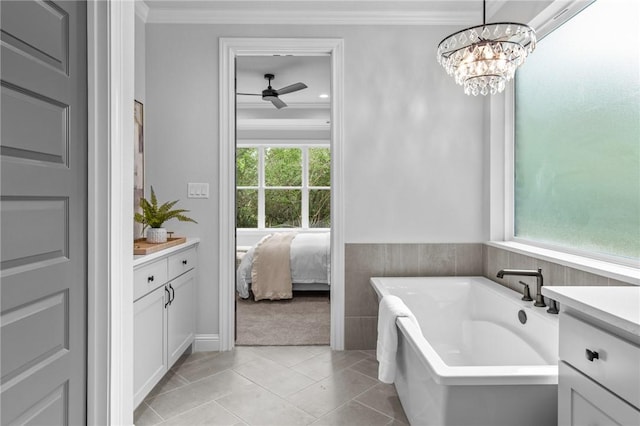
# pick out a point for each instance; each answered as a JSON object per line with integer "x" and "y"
{"x": 181, "y": 311}
{"x": 149, "y": 349}
{"x": 581, "y": 401}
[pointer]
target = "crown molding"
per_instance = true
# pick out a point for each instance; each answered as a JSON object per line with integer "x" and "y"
{"x": 142, "y": 10}
{"x": 304, "y": 17}
{"x": 556, "y": 14}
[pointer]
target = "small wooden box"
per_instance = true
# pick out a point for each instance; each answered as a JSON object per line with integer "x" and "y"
{"x": 141, "y": 246}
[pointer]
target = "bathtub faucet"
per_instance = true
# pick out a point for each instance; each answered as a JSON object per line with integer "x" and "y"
{"x": 528, "y": 273}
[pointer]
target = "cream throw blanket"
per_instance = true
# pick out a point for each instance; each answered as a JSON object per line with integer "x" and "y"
{"x": 271, "y": 270}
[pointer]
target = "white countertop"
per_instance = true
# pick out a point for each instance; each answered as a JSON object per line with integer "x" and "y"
{"x": 617, "y": 306}
{"x": 144, "y": 258}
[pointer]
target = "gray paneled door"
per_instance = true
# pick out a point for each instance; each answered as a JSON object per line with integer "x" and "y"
{"x": 43, "y": 212}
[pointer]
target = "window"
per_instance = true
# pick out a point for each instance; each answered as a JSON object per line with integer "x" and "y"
{"x": 577, "y": 135}
{"x": 283, "y": 187}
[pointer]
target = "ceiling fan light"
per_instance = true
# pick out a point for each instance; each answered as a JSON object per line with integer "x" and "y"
{"x": 272, "y": 95}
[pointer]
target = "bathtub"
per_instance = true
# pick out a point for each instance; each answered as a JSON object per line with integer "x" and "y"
{"x": 474, "y": 362}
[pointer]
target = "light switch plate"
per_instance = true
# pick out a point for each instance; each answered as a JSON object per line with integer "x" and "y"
{"x": 198, "y": 190}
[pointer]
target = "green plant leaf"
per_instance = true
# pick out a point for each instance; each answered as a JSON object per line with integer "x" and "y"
{"x": 154, "y": 200}
{"x": 154, "y": 216}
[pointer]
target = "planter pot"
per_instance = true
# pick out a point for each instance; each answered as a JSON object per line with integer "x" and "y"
{"x": 156, "y": 235}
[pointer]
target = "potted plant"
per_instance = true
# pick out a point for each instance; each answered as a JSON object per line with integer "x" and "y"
{"x": 153, "y": 216}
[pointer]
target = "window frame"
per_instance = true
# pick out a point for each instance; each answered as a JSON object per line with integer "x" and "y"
{"x": 304, "y": 187}
{"x": 500, "y": 174}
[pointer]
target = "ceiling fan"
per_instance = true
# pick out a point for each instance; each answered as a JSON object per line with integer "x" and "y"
{"x": 271, "y": 94}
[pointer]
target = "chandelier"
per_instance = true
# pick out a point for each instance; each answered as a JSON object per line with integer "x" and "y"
{"x": 483, "y": 58}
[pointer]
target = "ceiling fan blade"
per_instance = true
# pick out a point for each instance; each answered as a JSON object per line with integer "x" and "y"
{"x": 250, "y": 94}
{"x": 292, "y": 88}
{"x": 277, "y": 102}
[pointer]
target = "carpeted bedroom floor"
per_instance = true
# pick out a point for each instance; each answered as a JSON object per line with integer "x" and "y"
{"x": 303, "y": 320}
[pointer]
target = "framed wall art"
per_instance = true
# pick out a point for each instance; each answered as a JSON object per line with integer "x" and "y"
{"x": 138, "y": 167}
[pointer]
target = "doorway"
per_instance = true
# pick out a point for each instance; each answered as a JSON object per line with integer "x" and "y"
{"x": 283, "y": 193}
{"x": 230, "y": 51}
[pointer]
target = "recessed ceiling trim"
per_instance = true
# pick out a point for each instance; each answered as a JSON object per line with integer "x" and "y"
{"x": 294, "y": 17}
{"x": 283, "y": 124}
{"x": 290, "y": 105}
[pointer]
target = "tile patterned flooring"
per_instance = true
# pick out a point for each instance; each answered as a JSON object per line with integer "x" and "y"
{"x": 273, "y": 385}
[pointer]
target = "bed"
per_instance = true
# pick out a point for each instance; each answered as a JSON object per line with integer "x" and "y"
{"x": 309, "y": 262}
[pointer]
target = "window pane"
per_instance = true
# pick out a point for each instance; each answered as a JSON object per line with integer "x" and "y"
{"x": 247, "y": 167}
{"x": 247, "y": 208}
{"x": 577, "y": 165}
{"x": 319, "y": 167}
{"x": 283, "y": 208}
{"x": 319, "y": 208}
{"x": 283, "y": 167}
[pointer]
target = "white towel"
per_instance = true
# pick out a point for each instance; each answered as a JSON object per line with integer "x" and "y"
{"x": 390, "y": 308}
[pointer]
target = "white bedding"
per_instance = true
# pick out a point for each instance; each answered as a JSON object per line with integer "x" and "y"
{"x": 310, "y": 262}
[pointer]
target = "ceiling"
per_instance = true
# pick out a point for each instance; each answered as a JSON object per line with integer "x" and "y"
{"x": 314, "y": 71}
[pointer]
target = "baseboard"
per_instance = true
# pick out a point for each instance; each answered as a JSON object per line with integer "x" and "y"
{"x": 206, "y": 343}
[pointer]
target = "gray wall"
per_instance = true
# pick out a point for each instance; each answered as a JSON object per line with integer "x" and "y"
{"x": 554, "y": 274}
{"x": 385, "y": 260}
{"x": 412, "y": 146}
{"x": 140, "y": 61}
{"x": 364, "y": 261}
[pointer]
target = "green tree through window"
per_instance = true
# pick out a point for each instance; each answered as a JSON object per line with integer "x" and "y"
{"x": 247, "y": 179}
{"x": 283, "y": 187}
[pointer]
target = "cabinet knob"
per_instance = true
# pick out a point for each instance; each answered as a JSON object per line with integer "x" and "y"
{"x": 150, "y": 279}
{"x": 591, "y": 355}
{"x": 184, "y": 262}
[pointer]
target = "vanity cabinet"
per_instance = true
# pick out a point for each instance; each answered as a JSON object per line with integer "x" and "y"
{"x": 596, "y": 384}
{"x": 164, "y": 314}
{"x": 581, "y": 402}
{"x": 599, "y": 356}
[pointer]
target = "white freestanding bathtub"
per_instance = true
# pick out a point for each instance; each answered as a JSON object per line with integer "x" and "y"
{"x": 474, "y": 363}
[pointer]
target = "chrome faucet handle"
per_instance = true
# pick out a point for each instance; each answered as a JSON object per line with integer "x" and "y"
{"x": 526, "y": 295}
{"x": 553, "y": 307}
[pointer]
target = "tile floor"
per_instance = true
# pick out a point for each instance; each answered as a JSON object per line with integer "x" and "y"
{"x": 273, "y": 385}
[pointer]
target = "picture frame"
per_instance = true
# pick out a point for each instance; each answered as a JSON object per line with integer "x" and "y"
{"x": 138, "y": 167}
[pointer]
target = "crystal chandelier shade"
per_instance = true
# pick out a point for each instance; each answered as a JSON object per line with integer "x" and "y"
{"x": 484, "y": 58}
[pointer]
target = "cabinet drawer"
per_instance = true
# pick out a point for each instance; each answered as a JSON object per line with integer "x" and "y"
{"x": 616, "y": 367}
{"x": 182, "y": 262}
{"x": 149, "y": 277}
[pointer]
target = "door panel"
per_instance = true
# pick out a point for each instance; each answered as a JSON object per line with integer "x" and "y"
{"x": 45, "y": 38}
{"x": 43, "y": 209}
{"x": 46, "y": 138}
